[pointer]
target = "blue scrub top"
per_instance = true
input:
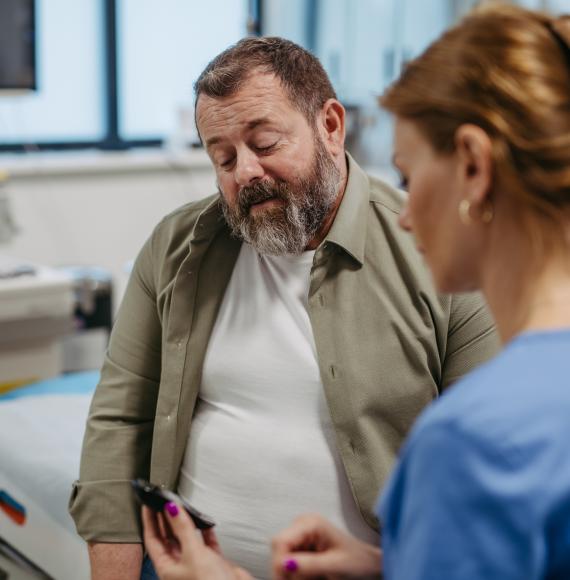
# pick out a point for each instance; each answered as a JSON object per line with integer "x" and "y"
{"x": 482, "y": 488}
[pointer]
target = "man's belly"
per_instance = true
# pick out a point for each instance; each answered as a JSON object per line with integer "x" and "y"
{"x": 255, "y": 474}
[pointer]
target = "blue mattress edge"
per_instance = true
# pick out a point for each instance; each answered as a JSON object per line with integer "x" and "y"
{"x": 68, "y": 384}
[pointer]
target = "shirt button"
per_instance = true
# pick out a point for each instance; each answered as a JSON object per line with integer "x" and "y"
{"x": 179, "y": 344}
{"x": 321, "y": 300}
{"x": 168, "y": 417}
{"x": 163, "y": 486}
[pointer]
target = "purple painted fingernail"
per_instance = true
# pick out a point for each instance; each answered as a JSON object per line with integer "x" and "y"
{"x": 290, "y": 565}
{"x": 172, "y": 508}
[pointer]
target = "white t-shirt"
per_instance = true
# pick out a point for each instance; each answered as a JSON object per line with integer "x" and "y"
{"x": 262, "y": 447}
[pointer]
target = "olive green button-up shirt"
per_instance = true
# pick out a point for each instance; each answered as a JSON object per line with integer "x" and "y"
{"x": 387, "y": 344}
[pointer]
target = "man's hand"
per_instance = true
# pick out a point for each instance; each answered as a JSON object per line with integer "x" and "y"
{"x": 115, "y": 561}
{"x": 313, "y": 548}
{"x": 179, "y": 552}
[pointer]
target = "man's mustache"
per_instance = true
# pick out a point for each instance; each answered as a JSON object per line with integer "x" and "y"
{"x": 258, "y": 193}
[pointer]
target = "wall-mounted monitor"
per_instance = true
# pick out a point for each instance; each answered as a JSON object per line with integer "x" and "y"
{"x": 17, "y": 45}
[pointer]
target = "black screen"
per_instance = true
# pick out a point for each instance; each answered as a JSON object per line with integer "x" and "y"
{"x": 17, "y": 45}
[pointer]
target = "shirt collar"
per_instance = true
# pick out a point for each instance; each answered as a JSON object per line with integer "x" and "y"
{"x": 209, "y": 221}
{"x": 348, "y": 230}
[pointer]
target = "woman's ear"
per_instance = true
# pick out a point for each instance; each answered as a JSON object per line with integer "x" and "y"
{"x": 332, "y": 126}
{"x": 474, "y": 151}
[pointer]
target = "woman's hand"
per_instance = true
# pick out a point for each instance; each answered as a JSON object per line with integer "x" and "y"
{"x": 179, "y": 552}
{"x": 313, "y": 548}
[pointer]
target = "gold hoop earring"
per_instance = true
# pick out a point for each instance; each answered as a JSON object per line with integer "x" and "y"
{"x": 488, "y": 214}
{"x": 464, "y": 216}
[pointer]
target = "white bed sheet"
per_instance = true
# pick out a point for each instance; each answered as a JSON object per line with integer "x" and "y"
{"x": 40, "y": 444}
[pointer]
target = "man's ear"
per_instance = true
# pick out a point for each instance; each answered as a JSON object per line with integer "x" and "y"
{"x": 332, "y": 126}
{"x": 474, "y": 150}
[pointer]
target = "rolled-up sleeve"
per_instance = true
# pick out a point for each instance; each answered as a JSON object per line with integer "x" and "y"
{"x": 118, "y": 436}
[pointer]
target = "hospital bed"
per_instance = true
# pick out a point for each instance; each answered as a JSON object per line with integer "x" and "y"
{"x": 41, "y": 431}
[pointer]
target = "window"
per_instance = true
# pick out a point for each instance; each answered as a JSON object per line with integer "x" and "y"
{"x": 117, "y": 73}
{"x": 68, "y": 105}
{"x": 162, "y": 48}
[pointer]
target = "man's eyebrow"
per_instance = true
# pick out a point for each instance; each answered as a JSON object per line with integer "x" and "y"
{"x": 212, "y": 141}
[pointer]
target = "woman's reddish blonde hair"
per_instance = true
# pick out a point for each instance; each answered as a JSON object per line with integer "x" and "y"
{"x": 506, "y": 70}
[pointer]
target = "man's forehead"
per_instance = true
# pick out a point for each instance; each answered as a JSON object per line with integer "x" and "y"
{"x": 260, "y": 102}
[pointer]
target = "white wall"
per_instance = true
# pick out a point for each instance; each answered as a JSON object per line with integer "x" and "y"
{"x": 97, "y": 210}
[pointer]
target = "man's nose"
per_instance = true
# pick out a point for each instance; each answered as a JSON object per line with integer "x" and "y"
{"x": 248, "y": 168}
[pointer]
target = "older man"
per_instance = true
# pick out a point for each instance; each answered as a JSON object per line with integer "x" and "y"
{"x": 276, "y": 340}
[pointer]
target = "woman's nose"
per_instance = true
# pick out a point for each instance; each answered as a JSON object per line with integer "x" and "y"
{"x": 404, "y": 220}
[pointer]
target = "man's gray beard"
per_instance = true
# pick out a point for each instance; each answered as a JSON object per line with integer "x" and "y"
{"x": 288, "y": 228}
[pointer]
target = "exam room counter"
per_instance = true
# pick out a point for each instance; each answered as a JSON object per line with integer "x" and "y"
{"x": 97, "y": 208}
